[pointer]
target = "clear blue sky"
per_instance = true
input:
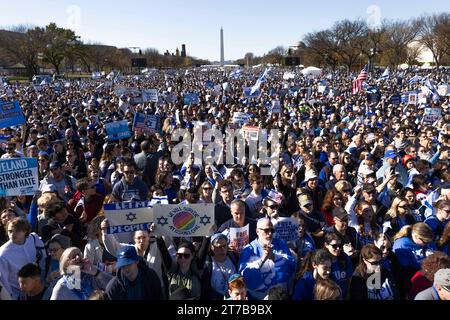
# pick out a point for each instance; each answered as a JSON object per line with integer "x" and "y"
{"x": 249, "y": 25}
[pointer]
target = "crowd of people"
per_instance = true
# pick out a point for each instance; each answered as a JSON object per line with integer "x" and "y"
{"x": 368, "y": 182}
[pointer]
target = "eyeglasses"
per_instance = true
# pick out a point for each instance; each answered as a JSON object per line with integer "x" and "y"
{"x": 207, "y": 189}
{"x": 336, "y": 246}
{"x": 308, "y": 205}
{"x": 446, "y": 210}
{"x": 374, "y": 263}
{"x": 268, "y": 230}
{"x": 183, "y": 255}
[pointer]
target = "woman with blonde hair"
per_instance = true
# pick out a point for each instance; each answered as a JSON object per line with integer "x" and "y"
{"x": 327, "y": 289}
{"x": 345, "y": 188}
{"x": 79, "y": 278}
{"x": 398, "y": 215}
{"x": 412, "y": 244}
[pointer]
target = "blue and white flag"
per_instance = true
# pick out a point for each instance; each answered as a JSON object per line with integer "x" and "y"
{"x": 414, "y": 79}
{"x": 96, "y": 75}
{"x": 159, "y": 200}
{"x": 110, "y": 75}
{"x": 235, "y": 73}
{"x": 260, "y": 81}
{"x": 429, "y": 84}
{"x": 385, "y": 75}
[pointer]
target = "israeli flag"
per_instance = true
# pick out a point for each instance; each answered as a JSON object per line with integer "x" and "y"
{"x": 260, "y": 80}
{"x": 235, "y": 73}
{"x": 429, "y": 84}
{"x": 110, "y": 75}
{"x": 96, "y": 75}
{"x": 428, "y": 202}
{"x": 385, "y": 75}
{"x": 159, "y": 200}
{"x": 414, "y": 79}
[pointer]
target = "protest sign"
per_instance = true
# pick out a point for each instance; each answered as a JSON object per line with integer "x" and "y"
{"x": 373, "y": 96}
{"x": 144, "y": 123}
{"x": 128, "y": 216}
{"x": 396, "y": 99}
{"x": 150, "y": 95}
{"x": 117, "y": 130}
{"x": 10, "y": 114}
{"x": 191, "y": 98}
{"x": 252, "y": 132}
{"x": 239, "y": 237}
{"x": 189, "y": 220}
{"x": 286, "y": 229}
{"x": 18, "y": 177}
{"x": 209, "y": 85}
{"x": 276, "y": 106}
{"x": 443, "y": 90}
{"x": 240, "y": 117}
{"x": 432, "y": 115}
{"x": 412, "y": 98}
{"x": 170, "y": 98}
{"x": 422, "y": 98}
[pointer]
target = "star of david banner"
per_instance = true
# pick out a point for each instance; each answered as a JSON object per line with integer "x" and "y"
{"x": 178, "y": 220}
{"x": 128, "y": 216}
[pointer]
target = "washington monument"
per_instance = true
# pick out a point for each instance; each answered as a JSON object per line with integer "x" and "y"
{"x": 222, "y": 54}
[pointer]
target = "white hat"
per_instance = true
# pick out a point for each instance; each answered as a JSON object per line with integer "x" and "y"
{"x": 309, "y": 175}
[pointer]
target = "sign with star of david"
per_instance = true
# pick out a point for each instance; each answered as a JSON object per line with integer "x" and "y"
{"x": 128, "y": 216}
{"x": 177, "y": 220}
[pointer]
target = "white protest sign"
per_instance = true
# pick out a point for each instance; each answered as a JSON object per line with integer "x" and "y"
{"x": 251, "y": 132}
{"x": 286, "y": 228}
{"x": 412, "y": 98}
{"x": 128, "y": 216}
{"x": 432, "y": 115}
{"x": 189, "y": 220}
{"x": 443, "y": 90}
{"x": 150, "y": 95}
{"x": 239, "y": 237}
{"x": 240, "y": 117}
{"x": 422, "y": 98}
{"x": 18, "y": 177}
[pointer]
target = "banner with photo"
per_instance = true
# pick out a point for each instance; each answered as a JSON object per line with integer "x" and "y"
{"x": 239, "y": 237}
{"x": 10, "y": 114}
{"x": 189, "y": 220}
{"x": 128, "y": 216}
{"x": 18, "y": 177}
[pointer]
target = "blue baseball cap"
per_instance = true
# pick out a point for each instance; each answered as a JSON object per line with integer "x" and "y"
{"x": 126, "y": 256}
{"x": 390, "y": 154}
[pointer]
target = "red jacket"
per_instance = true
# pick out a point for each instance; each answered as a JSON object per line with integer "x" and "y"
{"x": 418, "y": 283}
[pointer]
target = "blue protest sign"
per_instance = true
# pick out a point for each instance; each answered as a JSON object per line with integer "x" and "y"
{"x": 396, "y": 99}
{"x": 10, "y": 114}
{"x": 191, "y": 98}
{"x": 117, "y": 130}
{"x": 209, "y": 85}
{"x": 18, "y": 177}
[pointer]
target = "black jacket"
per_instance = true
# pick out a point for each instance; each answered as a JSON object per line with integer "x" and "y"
{"x": 76, "y": 235}
{"x": 151, "y": 285}
{"x": 386, "y": 286}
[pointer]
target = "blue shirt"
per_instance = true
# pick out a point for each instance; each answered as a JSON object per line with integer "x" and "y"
{"x": 304, "y": 288}
{"x": 410, "y": 254}
{"x": 436, "y": 225}
{"x": 341, "y": 275}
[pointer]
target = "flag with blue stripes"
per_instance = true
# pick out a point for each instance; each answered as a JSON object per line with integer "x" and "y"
{"x": 235, "y": 73}
{"x": 414, "y": 79}
{"x": 385, "y": 75}
{"x": 260, "y": 81}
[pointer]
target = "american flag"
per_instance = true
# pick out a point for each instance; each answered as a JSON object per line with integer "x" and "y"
{"x": 357, "y": 83}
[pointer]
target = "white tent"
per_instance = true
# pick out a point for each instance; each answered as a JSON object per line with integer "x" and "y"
{"x": 314, "y": 71}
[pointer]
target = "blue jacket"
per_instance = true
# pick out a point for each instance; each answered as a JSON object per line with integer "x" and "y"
{"x": 304, "y": 288}
{"x": 436, "y": 225}
{"x": 410, "y": 254}
{"x": 260, "y": 279}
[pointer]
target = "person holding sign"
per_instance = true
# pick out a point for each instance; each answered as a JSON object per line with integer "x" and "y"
{"x": 239, "y": 220}
{"x": 219, "y": 266}
{"x": 266, "y": 262}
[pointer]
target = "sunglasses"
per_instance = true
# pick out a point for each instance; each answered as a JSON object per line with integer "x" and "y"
{"x": 183, "y": 255}
{"x": 207, "y": 189}
{"x": 374, "y": 263}
{"x": 220, "y": 246}
{"x": 273, "y": 206}
{"x": 406, "y": 207}
{"x": 336, "y": 246}
{"x": 268, "y": 230}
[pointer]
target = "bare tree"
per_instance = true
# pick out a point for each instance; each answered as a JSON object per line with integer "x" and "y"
{"x": 431, "y": 38}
